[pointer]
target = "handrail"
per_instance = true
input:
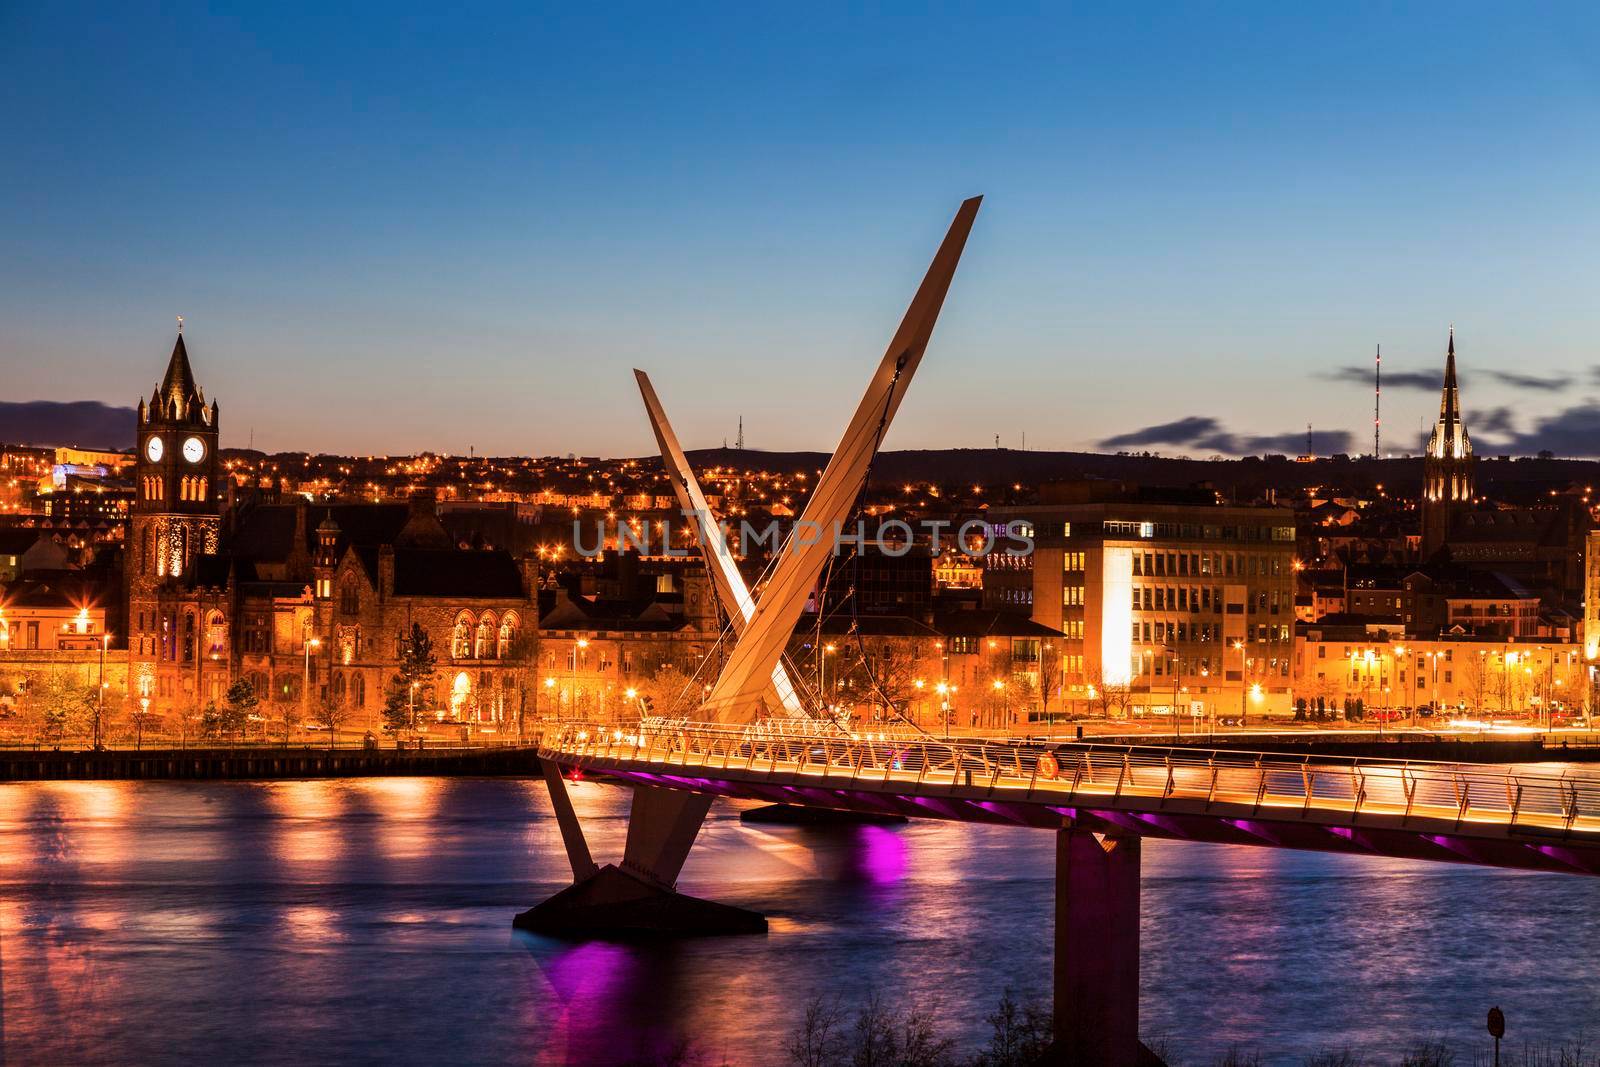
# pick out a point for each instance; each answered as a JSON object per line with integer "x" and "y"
{"x": 1297, "y": 786}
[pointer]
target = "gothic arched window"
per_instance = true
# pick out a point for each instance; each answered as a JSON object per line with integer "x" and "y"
{"x": 461, "y": 637}
{"x": 484, "y": 646}
{"x": 508, "y": 634}
{"x": 350, "y": 597}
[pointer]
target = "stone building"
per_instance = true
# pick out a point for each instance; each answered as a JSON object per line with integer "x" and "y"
{"x": 312, "y": 603}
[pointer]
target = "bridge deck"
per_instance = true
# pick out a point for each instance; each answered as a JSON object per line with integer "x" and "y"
{"x": 1473, "y": 813}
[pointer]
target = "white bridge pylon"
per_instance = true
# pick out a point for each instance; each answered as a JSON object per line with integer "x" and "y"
{"x": 664, "y": 820}
{"x": 738, "y": 693}
{"x": 732, "y": 592}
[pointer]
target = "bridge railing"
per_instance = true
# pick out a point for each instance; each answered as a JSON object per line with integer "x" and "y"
{"x": 1089, "y": 773}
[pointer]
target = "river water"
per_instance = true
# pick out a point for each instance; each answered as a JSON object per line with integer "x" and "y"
{"x": 369, "y": 921}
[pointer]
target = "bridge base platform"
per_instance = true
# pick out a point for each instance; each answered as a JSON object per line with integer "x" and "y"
{"x": 1057, "y": 1053}
{"x": 612, "y": 904}
{"x": 800, "y": 815}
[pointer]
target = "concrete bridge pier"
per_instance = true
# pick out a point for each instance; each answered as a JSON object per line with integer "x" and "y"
{"x": 639, "y": 897}
{"x": 1097, "y": 950}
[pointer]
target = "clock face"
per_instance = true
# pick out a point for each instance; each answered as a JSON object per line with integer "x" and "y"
{"x": 154, "y": 449}
{"x": 194, "y": 449}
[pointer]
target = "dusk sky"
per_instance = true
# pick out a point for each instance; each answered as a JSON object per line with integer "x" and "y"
{"x": 390, "y": 230}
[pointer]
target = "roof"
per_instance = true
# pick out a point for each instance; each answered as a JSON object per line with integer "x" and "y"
{"x": 456, "y": 573}
{"x": 16, "y": 541}
{"x": 839, "y": 624}
{"x": 990, "y": 624}
{"x": 266, "y": 531}
{"x": 567, "y": 612}
{"x": 60, "y": 589}
{"x": 178, "y": 384}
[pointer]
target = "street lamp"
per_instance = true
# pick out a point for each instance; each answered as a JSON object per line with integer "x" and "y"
{"x": 305, "y": 685}
{"x": 822, "y": 673}
{"x": 572, "y": 686}
{"x": 1238, "y": 646}
{"x": 1005, "y": 696}
{"x": 100, "y": 690}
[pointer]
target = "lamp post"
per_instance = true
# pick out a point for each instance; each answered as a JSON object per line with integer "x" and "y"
{"x": 943, "y": 689}
{"x": 822, "y": 675}
{"x": 1177, "y": 723}
{"x": 1005, "y": 697}
{"x": 572, "y": 685}
{"x": 1238, "y": 646}
{"x": 100, "y": 691}
{"x": 305, "y": 685}
{"x": 1400, "y": 650}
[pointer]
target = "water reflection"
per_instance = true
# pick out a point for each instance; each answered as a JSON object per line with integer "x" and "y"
{"x": 368, "y": 921}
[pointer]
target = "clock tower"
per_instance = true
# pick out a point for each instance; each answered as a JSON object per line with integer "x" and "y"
{"x": 177, "y": 508}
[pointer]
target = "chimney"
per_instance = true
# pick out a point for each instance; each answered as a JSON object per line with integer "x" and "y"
{"x": 385, "y": 572}
{"x": 529, "y": 565}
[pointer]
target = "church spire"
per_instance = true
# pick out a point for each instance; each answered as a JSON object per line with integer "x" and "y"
{"x": 1449, "y": 397}
{"x": 1447, "y": 483}
{"x": 178, "y": 386}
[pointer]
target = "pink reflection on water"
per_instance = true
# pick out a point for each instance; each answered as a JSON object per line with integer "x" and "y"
{"x": 884, "y": 854}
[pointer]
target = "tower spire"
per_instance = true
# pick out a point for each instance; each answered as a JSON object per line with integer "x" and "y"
{"x": 1377, "y": 404}
{"x": 1447, "y": 467}
{"x": 1449, "y": 397}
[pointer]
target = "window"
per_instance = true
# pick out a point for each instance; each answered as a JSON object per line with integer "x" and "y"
{"x": 350, "y": 597}
{"x": 507, "y": 635}
{"x": 484, "y": 644}
{"x": 461, "y": 637}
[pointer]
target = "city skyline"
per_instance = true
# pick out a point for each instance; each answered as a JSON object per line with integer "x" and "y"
{"x": 476, "y": 257}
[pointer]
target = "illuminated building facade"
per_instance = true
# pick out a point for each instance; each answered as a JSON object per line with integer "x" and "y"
{"x": 176, "y": 520}
{"x": 1447, "y": 483}
{"x": 1453, "y": 674}
{"x": 1164, "y": 598}
{"x": 312, "y": 604}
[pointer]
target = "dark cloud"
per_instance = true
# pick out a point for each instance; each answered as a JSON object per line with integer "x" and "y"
{"x": 1529, "y": 381}
{"x": 1182, "y": 432}
{"x": 1494, "y": 422}
{"x": 87, "y": 423}
{"x": 1406, "y": 379}
{"x": 1201, "y": 433}
{"x": 1573, "y": 432}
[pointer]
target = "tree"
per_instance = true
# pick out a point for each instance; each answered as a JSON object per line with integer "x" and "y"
{"x": 1475, "y": 680}
{"x": 523, "y": 655}
{"x": 418, "y": 667}
{"x": 886, "y": 677}
{"x": 239, "y": 704}
{"x": 211, "y": 719}
{"x": 143, "y": 719}
{"x": 670, "y": 692}
{"x": 332, "y": 714}
{"x": 281, "y": 714}
{"x": 1110, "y": 696}
{"x": 61, "y": 702}
{"x": 1051, "y": 668}
{"x": 1020, "y": 1035}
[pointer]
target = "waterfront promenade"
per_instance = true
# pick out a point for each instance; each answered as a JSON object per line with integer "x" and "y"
{"x": 221, "y": 762}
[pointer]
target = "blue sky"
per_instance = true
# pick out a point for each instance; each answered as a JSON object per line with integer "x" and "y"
{"x": 392, "y": 230}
